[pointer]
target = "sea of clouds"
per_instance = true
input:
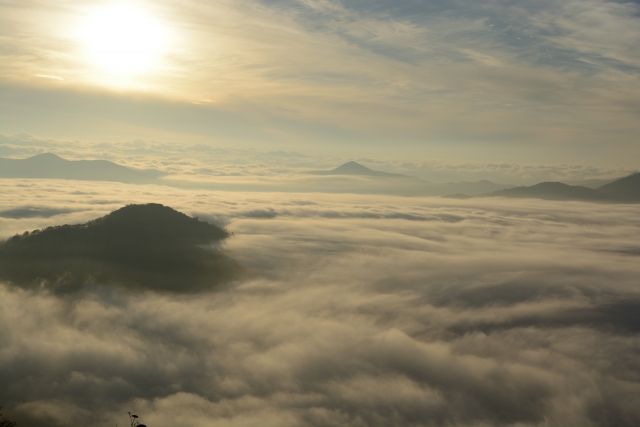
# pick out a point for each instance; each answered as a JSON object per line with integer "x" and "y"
{"x": 355, "y": 310}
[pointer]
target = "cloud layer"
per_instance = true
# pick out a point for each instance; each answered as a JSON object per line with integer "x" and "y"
{"x": 482, "y": 313}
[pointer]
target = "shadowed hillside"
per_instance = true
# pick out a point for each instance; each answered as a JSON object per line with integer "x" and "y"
{"x": 142, "y": 246}
{"x": 590, "y": 183}
{"x": 554, "y": 191}
{"x": 626, "y": 189}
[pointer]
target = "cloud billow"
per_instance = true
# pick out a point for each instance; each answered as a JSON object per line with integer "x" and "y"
{"x": 520, "y": 313}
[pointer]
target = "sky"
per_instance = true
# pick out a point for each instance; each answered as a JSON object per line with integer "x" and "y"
{"x": 530, "y": 83}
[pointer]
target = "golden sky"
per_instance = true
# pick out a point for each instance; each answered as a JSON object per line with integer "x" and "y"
{"x": 519, "y": 81}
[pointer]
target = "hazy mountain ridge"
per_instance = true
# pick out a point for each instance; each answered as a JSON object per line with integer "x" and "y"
{"x": 51, "y": 166}
{"x": 419, "y": 186}
{"x": 354, "y": 168}
{"x": 590, "y": 183}
{"x": 351, "y": 177}
{"x": 376, "y": 182}
{"x": 627, "y": 188}
{"x": 622, "y": 190}
{"x": 141, "y": 246}
{"x": 553, "y": 191}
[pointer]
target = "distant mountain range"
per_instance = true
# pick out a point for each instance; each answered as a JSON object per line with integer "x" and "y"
{"x": 590, "y": 183}
{"x": 625, "y": 190}
{"x": 553, "y": 191}
{"x": 138, "y": 246}
{"x": 51, "y": 166}
{"x": 622, "y": 190}
{"x": 426, "y": 188}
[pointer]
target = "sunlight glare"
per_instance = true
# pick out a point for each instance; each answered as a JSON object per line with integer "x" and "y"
{"x": 123, "y": 39}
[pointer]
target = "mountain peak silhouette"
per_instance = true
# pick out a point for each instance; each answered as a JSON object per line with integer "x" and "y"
{"x": 355, "y": 168}
{"x": 156, "y": 221}
{"x": 147, "y": 246}
{"x": 45, "y": 156}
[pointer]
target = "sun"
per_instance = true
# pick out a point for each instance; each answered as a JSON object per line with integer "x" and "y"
{"x": 123, "y": 39}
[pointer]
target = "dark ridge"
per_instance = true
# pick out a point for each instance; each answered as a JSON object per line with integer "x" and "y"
{"x": 50, "y": 166}
{"x": 139, "y": 246}
{"x": 626, "y": 189}
{"x": 555, "y": 191}
{"x": 623, "y": 190}
{"x": 590, "y": 183}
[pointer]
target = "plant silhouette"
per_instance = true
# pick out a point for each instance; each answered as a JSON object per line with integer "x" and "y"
{"x": 5, "y": 422}
{"x": 135, "y": 421}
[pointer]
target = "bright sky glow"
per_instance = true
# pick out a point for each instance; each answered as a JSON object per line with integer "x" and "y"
{"x": 554, "y": 82}
{"x": 123, "y": 39}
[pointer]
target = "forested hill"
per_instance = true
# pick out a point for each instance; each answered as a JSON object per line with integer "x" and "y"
{"x": 144, "y": 246}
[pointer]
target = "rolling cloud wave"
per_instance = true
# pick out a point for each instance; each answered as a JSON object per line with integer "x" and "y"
{"x": 520, "y": 313}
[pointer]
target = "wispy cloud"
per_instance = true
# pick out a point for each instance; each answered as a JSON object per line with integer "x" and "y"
{"x": 46, "y": 76}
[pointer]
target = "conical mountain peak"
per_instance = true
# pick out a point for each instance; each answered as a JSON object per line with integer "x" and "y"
{"x": 353, "y": 168}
